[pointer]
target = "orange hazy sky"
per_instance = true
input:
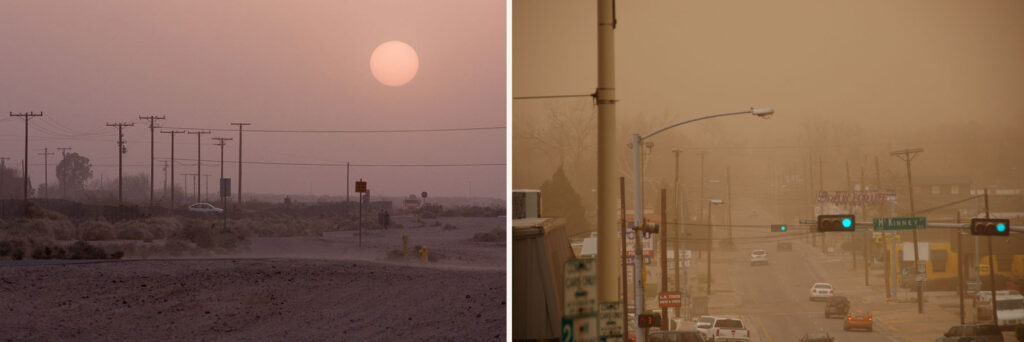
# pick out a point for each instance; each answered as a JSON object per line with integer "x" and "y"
{"x": 279, "y": 65}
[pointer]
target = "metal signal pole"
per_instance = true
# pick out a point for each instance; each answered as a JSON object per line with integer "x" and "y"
{"x": 223, "y": 198}
{"x": 152, "y": 139}
{"x": 199, "y": 160}
{"x": 120, "y": 158}
{"x": 172, "y": 133}
{"x": 24, "y": 176}
{"x": 240, "y": 125}
{"x": 908, "y": 155}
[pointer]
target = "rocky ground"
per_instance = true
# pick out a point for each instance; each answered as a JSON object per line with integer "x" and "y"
{"x": 309, "y": 288}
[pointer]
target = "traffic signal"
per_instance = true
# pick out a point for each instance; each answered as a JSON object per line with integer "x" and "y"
{"x": 996, "y": 227}
{"x": 780, "y": 228}
{"x": 648, "y": 320}
{"x": 836, "y": 223}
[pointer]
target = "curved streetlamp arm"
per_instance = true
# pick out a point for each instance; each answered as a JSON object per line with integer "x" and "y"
{"x": 648, "y": 135}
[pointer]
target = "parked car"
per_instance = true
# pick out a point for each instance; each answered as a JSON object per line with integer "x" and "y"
{"x": 837, "y": 306}
{"x": 858, "y": 319}
{"x": 204, "y": 208}
{"x": 818, "y": 337}
{"x": 821, "y": 291}
{"x": 675, "y": 336}
{"x": 758, "y": 256}
{"x": 975, "y": 332}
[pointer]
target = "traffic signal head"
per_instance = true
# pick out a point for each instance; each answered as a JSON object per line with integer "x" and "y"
{"x": 836, "y": 223}
{"x": 780, "y": 228}
{"x": 648, "y": 320}
{"x": 997, "y": 227}
{"x": 652, "y": 228}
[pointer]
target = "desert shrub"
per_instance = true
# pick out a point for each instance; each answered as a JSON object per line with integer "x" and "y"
{"x": 18, "y": 254}
{"x": 6, "y": 247}
{"x": 134, "y": 232}
{"x": 448, "y": 226}
{"x": 36, "y": 212}
{"x": 436, "y": 224}
{"x": 175, "y": 247}
{"x": 96, "y": 231}
{"x": 62, "y": 230}
{"x": 83, "y": 250}
{"x": 495, "y": 235}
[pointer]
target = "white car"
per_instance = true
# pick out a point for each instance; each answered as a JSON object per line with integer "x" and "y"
{"x": 758, "y": 256}
{"x": 821, "y": 291}
{"x": 704, "y": 325}
{"x": 204, "y": 208}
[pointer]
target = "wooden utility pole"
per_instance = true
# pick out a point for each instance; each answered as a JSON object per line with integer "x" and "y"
{"x": 199, "y": 160}
{"x": 152, "y": 140}
{"x": 677, "y": 232}
{"x": 908, "y": 155}
{"x": 240, "y": 125}
{"x": 46, "y": 171}
{"x": 625, "y": 269}
{"x": 120, "y": 159}
{"x": 664, "y": 255}
{"x": 172, "y": 133}
{"x": 24, "y": 174}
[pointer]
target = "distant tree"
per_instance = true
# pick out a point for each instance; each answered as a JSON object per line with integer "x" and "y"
{"x": 73, "y": 170}
{"x": 559, "y": 199}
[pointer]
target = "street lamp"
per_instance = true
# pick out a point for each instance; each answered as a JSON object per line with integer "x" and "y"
{"x": 713, "y": 202}
{"x": 638, "y": 197}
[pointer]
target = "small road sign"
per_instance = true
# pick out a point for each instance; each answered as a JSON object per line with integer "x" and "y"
{"x": 899, "y": 223}
{"x": 424, "y": 194}
{"x": 580, "y": 289}
{"x": 609, "y": 319}
{"x": 580, "y": 329}
{"x": 906, "y": 272}
{"x": 672, "y": 299}
{"x": 360, "y": 186}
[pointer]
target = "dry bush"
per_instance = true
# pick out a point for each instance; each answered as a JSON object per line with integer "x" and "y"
{"x": 96, "y": 231}
{"x": 134, "y": 232}
{"x": 448, "y": 226}
{"x": 495, "y": 235}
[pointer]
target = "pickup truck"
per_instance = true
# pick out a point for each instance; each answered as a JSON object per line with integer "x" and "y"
{"x": 837, "y": 306}
{"x": 729, "y": 330}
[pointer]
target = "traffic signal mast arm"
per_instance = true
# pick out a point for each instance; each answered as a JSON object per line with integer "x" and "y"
{"x": 1019, "y": 229}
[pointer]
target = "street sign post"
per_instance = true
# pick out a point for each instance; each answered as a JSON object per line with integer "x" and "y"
{"x": 580, "y": 329}
{"x": 609, "y": 319}
{"x": 899, "y": 223}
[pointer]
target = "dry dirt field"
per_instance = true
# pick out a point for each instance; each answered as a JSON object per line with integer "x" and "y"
{"x": 308, "y": 289}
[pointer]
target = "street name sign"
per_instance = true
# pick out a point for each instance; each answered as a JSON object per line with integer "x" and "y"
{"x": 899, "y": 223}
{"x": 609, "y": 319}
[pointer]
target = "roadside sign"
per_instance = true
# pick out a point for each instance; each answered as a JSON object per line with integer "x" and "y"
{"x": 648, "y": 242}
{"x": 673, "y": 299}
{"x": 973, "y": 286}
{"x": 580, "y": 288}
{"x": 899, "y": 223}
{"x": 609, "y": 319}
{"x": 906, "y": 272}
{"x": 360, "y": 186}
{"x": 580, "y": 329}
{"x": 984, "y": 268}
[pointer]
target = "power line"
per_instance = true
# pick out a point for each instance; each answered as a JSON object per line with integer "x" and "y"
{"x": 415, "y": 130}
{"x": 360, "y": 165}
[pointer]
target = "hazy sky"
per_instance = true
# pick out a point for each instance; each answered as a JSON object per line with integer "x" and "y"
{"x": 279, "y": 65}
{"x": 931, "y": 74}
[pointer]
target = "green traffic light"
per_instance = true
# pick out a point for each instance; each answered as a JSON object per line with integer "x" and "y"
{"x": 1001, "y": 227}
{"x": 847, "y": 223}
{"x": 783, "y": 228}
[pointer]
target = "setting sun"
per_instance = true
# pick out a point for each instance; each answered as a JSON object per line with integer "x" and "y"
{"x": 394, "y": 63}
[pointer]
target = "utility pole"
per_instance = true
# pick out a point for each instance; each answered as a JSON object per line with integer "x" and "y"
{"x": 25, "y": 174}
{"x": 347, "y": 165}
{"x": 908, "y": 155}
{"x": 678, "y": 233}
{"x": 664, "y": 255}
{"x": 223, "y": 199}
{"x": 728, "y": 200}
{"x": 849, "y": 188}
{"x": 199, "y": 159}
{"x": 165, "y": 179}
{"x": 120, "y": 159}
{"x": 63, "y": 154}
{"x": 152, "y": 119}
{"x": 885, "y": 236}
{"x": 991, "y": 268}
{"x": 606, "y": 150}
{"x": 46, "y": 171}
{"x": 184, "y": 175}
{"x": 240, "y": 125}
{"x": 172, "y": 133}
{"x": 625, "y": 281}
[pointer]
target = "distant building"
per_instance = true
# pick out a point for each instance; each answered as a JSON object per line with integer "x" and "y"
{"x": 411, "y": 202}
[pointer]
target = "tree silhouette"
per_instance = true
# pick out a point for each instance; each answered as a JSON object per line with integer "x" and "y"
{"x": 73, "y": 170}
{"x": 559, "y": 199}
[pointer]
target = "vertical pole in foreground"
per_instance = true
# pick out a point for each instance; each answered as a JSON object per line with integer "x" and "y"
{"x": 622, "y": 239}
{"x": 960, "y": 270}
{"x": 606, "y": 152}
{"x": 152, "y": 126}
{"x": 347, "y": 165}
{"x": 711, "y": 233}
{"x": 638, "y": 244}
{"x": 240, "y": 124}
{"x": 664, "y": 256}
{"x": 676, "y": 233}
{"x": 24, "y": 173}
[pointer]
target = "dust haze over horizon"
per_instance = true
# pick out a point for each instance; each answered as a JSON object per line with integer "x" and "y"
{"x": 849, "y": 82}
{"x": 279, "y": 66}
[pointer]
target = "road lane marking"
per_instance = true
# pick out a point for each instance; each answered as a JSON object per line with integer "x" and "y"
{"x": 763, "y": 330}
